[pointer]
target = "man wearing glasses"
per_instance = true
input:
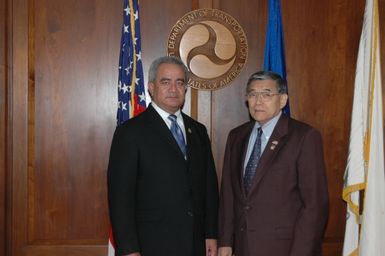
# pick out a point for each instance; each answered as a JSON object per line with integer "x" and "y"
{"x": 274, "y": 198}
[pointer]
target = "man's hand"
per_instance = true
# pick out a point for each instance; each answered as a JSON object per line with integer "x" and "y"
{"x": 211, "y": 247}
{"x": 225, "y": 251}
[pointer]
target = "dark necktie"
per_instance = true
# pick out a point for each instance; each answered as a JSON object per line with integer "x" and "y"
{"x": 178, "y": 134}
{"x": 252, "y": 164}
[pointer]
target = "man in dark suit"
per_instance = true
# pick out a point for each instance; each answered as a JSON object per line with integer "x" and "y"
{"x": 162, "y": 190}
{"x": 274, "y": 198}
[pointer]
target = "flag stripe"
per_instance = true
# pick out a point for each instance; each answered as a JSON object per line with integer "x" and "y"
{"x": 132, "y": 18}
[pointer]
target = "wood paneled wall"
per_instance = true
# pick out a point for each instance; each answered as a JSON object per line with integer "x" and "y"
{"x": 3, "y": 97}
{"x": 58, "y": 94}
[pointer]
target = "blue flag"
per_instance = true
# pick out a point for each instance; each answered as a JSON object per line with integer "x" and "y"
{"x": 131, "y": 94}
{"x": 274, "y": 45}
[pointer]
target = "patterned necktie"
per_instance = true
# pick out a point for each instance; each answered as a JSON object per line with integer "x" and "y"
{"x": 178, "y": 134}
{"x": 252, "y": 164}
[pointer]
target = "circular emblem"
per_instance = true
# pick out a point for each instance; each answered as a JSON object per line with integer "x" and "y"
{"x": 213, "y": 46}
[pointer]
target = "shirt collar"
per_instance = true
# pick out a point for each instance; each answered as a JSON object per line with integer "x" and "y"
{"x": 269, "y": 126}
{"x": 164, "y": 114}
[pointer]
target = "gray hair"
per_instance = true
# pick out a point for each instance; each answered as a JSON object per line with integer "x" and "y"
{"x": 166, "y": 60}
{"x": 268, "y": 75}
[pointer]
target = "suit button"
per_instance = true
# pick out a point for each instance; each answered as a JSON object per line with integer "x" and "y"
{"x": 189, "y": 213}
{"x": 247, "y": 207}
{"x": 242, "y": 229}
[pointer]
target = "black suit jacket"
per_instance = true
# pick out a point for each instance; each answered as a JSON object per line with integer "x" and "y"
{"x": 160, "y": 203}
{"x": 286, "y": 209}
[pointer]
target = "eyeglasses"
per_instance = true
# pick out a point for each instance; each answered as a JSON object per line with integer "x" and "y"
{"x": 265, "y": 96}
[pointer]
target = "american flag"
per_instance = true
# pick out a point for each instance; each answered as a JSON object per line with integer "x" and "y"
{"x": 131, "y": 93}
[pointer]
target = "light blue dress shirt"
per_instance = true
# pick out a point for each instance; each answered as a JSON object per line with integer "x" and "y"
{"x": 267, "y": 130}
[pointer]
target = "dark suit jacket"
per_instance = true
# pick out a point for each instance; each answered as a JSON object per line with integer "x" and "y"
{"x": 160, "y": 203}
{"x": 286, "y": 209}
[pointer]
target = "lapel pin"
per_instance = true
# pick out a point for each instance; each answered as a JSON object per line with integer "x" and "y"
{"x": 189, "y": 130}
{"x": 274, "y": 144}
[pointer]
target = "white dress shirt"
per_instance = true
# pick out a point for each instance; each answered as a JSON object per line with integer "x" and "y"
{"x": 164, "y": 115}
